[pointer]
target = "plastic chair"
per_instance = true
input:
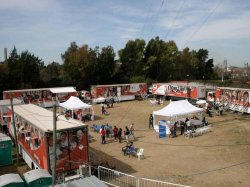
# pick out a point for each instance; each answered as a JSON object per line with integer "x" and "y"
{"x": 152, "y": 102}
{"x": 140, "y": 154}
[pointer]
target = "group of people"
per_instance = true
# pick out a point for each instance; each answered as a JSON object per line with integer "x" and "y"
{"x": 214, "y": 106}
{"x": 106, "y": 132}
{"x": 186, "y": 125}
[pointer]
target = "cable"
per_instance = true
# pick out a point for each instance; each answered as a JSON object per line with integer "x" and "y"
{"x": 147, "y": 18}
{"x": 156, "y": 15}
{"x": 173, "y": 22}
{"x": 205, "y": 20}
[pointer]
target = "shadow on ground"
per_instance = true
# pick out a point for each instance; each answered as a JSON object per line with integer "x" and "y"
{"x": 99, "y": 158}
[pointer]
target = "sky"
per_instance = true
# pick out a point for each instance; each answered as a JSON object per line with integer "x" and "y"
{"x": 47, "y": 27}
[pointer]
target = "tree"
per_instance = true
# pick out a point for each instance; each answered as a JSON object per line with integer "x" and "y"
{"x": 75, "y": 61}
{"x": 24, "y": 70}
{"x": 4, "y": 82}
{"x": 84, "y": 66}
{"x": 106, "y": 65}
{"x": 169, "y": 62}
{"x": 51, "y": 75}
{"x": 153, "y": 54}
{"x": 131, "y": 58}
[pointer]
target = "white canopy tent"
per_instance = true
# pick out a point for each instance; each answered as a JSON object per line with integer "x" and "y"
{"x": 74, "y": 103}
{"x": 176, "y": 110}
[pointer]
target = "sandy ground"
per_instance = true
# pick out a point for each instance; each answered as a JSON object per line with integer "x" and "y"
{"x": 218, "y": 158}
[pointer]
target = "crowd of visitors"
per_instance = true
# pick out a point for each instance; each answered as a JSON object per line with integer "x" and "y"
{"x": 116, "y": 134}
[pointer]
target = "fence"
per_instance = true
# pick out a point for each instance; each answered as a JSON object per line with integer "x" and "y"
{"x": 119, "y": 179}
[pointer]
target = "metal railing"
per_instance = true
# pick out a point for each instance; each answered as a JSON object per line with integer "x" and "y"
{"x": 119, "y": 179}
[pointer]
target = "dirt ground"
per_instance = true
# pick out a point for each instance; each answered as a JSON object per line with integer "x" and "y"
{"x": 218, "y": 158}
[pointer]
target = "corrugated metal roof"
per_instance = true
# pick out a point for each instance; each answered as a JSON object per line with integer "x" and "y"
{"x": 6, "y": 102}
{"x": 91, "y": 181}
{"x": 10, "y": 178}
{"x": 43, "y": 118}
{"x": 33, "y": 175}
{"x": 4, "y": 137}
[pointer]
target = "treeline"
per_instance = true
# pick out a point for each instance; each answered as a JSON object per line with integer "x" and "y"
{"x": 155, "y": 61}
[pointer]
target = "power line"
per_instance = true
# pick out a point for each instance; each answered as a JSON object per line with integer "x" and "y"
{"x": 177, "y": 14}
{"x": 156, "y": 15}
{"x": 204, "y": 21}
{"x": 147, "y": 18}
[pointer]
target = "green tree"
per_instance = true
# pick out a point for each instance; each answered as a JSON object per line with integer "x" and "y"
{"x": 106, "y": 65}
{"x": 75, "y": 61}
{"x": 84, "y": 66}
{"x": 153, "y": 54}
{"x": 51, "y": 75}
{"x": 169, "y": 63}
{"x": 24, "y": 70}
{"x": 4, "y": 82}
{"x": 131, "y": 58}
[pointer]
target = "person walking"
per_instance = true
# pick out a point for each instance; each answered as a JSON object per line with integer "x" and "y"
{"x": 131, "y": 130}
{"x": 103, "y": 134}
{"x": 120, "y": 135}
{"x": 151, "y": 119}
{"x": 115, "y": 130}
{"x": 107, "y": 129}
{"x": 127, "y": 133}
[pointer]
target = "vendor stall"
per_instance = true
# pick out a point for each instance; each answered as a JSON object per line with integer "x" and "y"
{"x": 177, "y": 110}
{"x": 79, "y": 109}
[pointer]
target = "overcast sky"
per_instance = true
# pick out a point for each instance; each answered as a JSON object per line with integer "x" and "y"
{"x": 47, "y": 27}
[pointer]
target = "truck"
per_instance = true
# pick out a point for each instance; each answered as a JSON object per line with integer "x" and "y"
{"x": 34, "y": 129}
{"x": 180, "y": 90}
{"x": 119, "y": 92}
{"x": 235, "y": 99}
{"x": 41, "y": 96}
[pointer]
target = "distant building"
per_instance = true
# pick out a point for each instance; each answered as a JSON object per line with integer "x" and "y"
{"x": 237, "y": 72}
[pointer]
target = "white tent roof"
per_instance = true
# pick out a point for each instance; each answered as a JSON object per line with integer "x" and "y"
{"x": 43, "y": 118}
{"x": 6, "y": 102}
{"x": 62, "y": 90}
{"x": 74, "y": 103}
{"x": 178, "y": 108}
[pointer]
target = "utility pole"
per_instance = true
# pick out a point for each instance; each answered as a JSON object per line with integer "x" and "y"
{"x": 246, "y": 65}
{"x": 54, "y": 143}
{"x": 14, "y": 127}
{"x": 222, "y": 71}
{"x": 223, "y": 67}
